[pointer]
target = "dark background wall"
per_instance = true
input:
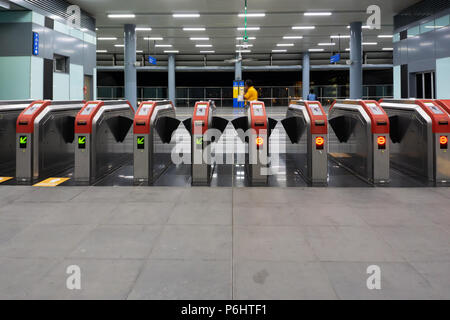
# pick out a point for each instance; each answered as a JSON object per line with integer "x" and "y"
{"x": 225, "y": 79}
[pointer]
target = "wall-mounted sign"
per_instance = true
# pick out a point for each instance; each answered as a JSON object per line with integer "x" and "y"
{"x": 152, "y": 60}
{"x": 336, "y": 58}
{"x": 35, "y": 44}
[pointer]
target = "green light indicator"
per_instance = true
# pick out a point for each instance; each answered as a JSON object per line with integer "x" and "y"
{"x": 23, "y": 142}
{"x": 82, "y": 142}
{"x": 199, "y": 141}
{"x": 141, "y": 143}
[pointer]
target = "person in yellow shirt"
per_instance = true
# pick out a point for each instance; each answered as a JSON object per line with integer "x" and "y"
{"x": 250, "y": 92}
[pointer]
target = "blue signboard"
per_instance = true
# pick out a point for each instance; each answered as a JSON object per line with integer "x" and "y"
{"x": 35, "y": 44}
{"x": 335, "y": 58}
{"x": 152, "y": 60}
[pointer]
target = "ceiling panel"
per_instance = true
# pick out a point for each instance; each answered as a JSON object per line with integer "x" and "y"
{"x": 221, "y": 21}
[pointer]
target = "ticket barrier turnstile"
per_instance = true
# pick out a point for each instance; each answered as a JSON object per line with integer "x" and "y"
{"x": 104, "y": 139}
{"x": 44, "y": 139}
{"x": 306, "y": 124}
{"x": 362, "y": 131}
{"x": 444, "y": 104}
{"x": 9, "y": 112}
{"x": 154, "y": 125}
{"x": 205, "y": 129}
{"x": 255, "y": 130}
{"x": 419, "y": 132}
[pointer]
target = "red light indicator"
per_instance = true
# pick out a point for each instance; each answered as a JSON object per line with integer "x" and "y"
{"x": 381, "y": 143}
{"x": 259, "y": 141}
{"x": 320, "y": 142}
{"x": 444, "y": 142}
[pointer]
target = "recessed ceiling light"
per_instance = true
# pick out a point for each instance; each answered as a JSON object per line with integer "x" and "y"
{"x": 279, "y": 51}
{"x": 364, "y": 27}
{"x": 385, "y": 36}
{"x": 119, "y": 45}
{"x": 186, "y": 15}
{"x": 303, "y": 27}
{"x": 194, "y": 29}
{"x": 327, "y": 44}
{"x": 249, "y": 38}
{"x": 316, "y": 50}
{"x": 340, "y": 37}
{"x": 348, "y": 49}
{"x": 171, "y": 51}
{"x": 252, "y": 15}
{"x": 107, "y": 38}
{"x": 143, "y": 29}
{"x": 207, "y": 51}
{"x": 388, "y": 49}
{"x": 203, "y": 45}
{"x": 369, "y": 43}
{"x": 285, "y": 45}
{"x": 200, "y": 39}
{"x": 163, "y": 45}
{"x": 293, "y": 37}
{"x": 102, "y": 51}
{"x": 121, "y": 16}
{"x": 244, "y": 45}
{"x": 243, "y": 51}
{"x": 318, "y": 13}
{"x": 139, "y": 51}
{"x": 249, "y": 28}
{"x": 153, "y": 38}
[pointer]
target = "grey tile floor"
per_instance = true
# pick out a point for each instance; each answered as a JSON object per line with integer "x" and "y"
{"x": 224, "y": 243}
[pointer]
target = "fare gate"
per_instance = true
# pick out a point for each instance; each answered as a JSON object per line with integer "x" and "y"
{"x": 9, "y": 112}
{"x": 419, "y": 131}
{"x": 362, "y": 130}
{"x": 205, "y": 129}
{"x": 306, "y": 123}
{"x": 154, "y": 125}
{"x": 255, "y": 130}
{"x": 104, "y": 139}
{"x": 45, "y": 137}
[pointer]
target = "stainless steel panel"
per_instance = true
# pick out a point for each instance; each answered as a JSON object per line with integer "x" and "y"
{"x": 414, "y": 154}
{"x": 442, "y": 159}
{"x": 357, "y": 153}
{"x": 9, "y": 111}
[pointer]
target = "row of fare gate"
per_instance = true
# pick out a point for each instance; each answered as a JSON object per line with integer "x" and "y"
{"x": 87, "y": 141}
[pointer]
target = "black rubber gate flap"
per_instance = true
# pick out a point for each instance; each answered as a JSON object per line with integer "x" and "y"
{"x": 240, "y": 123}
{"x": 67, "y": 129}
{"x": 343, "y": 127}
{"x": 272, "y": 124}
{"x": 166, "y": 127}
{"x": 219, "y": 123}
{"x": 399, "y": 127}
{"x": 188, "y": 125}
{"x": 295, "y": 128}
{"x": 119, "y": 127}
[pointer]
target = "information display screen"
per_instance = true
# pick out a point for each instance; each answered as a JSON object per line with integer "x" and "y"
{"x": 315, "y": 109}
{"x": 258, "y": 110}
{"x": 376, "y": 110}
{"x": 88, "y": 110}
{"x": 434, "y": 108}
{"x": 145, "y": 110}
{"x": 32, "y": 109}
{"x": 201, "y": 110}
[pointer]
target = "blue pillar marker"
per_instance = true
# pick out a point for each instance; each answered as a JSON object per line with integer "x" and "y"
{"x": 241, "y": 94}
{"x": 130, "y": 65}
{"x": 356, "y": 56}
{"x": 235, "y": 94}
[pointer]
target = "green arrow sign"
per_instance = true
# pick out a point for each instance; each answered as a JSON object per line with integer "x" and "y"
{"x": 23, "y": 140}
{"x": 199, "y": 141}
{"x": 141, "y": 140}
{"x": 81, "y": 140}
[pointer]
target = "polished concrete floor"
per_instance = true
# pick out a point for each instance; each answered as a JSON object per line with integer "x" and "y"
{"x": 224, "y": 243}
